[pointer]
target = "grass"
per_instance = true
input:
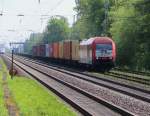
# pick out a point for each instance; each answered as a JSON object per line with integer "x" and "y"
{"x": 33, "y": 99}
{"x": 3, "y": 109}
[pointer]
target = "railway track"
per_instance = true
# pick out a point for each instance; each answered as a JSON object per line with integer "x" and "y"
{"x": 133, "y": 71}
{"x": 133, "y": 76}
{"x": 131, "y": 92}
{"x": 83, "y": 101}
{"x": 129, "y": 76}
{"x": 136, "y": 92}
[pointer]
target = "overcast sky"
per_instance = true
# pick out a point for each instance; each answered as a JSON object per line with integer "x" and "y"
{"x": 17, "y": 28}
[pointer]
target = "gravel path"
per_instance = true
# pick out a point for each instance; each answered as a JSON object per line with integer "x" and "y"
{"x": 9, "y": 101}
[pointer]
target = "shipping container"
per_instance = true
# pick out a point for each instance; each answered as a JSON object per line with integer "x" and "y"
{"x": 50, "y": 50}
{"x": 67, "y": 50}
{"x": 71, "y": 50}
{"x": 47, "y": 50}
{"x": 75, "y": 50}
{"x": 55, "y": 50}
{"x": 60, "y": 50}
{"x": 42, "y": 50}
{"x": 38, "y": 50}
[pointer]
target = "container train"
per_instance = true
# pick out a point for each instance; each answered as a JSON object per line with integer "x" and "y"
{"x": 96, "y": 52}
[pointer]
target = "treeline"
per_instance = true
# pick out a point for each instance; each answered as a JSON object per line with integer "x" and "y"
{"x": 126, "y": 21}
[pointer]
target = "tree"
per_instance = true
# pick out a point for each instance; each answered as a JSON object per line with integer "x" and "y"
{"x": 143, "y": 7}
{"x": 91, "y": 15}
{"x": 57, "y": 30}
{"x": 130, "y": 30}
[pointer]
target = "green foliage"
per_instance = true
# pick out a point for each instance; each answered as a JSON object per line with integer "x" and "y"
{"x": 123, "y": 31}
{"x": 130, "y": 28}
{"x": 91, "y": 17}
{"x": 57, "y": 30}
{"x": 78, "y": 31}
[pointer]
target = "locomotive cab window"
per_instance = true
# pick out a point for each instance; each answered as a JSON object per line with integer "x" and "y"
{"x": 103, "y": 50}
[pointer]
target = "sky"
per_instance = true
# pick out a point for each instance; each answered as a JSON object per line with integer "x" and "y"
{"x": 14, "y": 28}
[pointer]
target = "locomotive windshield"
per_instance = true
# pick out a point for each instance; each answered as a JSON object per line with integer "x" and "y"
{"x": 103, "y": 50}
{"x": 103, "y": 47}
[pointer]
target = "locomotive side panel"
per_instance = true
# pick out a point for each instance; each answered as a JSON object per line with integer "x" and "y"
{"x": 114, "y": 52}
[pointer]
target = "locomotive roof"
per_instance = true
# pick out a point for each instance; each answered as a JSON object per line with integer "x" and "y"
{"x": 96, "y": 40}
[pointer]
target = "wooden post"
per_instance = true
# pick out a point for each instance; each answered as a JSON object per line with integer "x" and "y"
{"x": 12, "y": 64}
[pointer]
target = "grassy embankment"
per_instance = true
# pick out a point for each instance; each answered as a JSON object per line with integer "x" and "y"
{"x": 35, "y": 100}
{"x": 3, "y": 109}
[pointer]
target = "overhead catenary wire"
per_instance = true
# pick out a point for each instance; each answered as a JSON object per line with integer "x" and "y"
{"x": 23, "y": 16}
{"x": 40, "y": 15}
{"x": 55, "y": 6}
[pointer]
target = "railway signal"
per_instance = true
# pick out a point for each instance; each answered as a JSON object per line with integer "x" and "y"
{"x": 13, "y": 71}
{"x": 12, "y": 64}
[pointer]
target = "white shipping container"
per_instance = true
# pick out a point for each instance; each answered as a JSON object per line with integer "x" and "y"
{"x": 50, "y": 50}
{"x": 47, "y": 50}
